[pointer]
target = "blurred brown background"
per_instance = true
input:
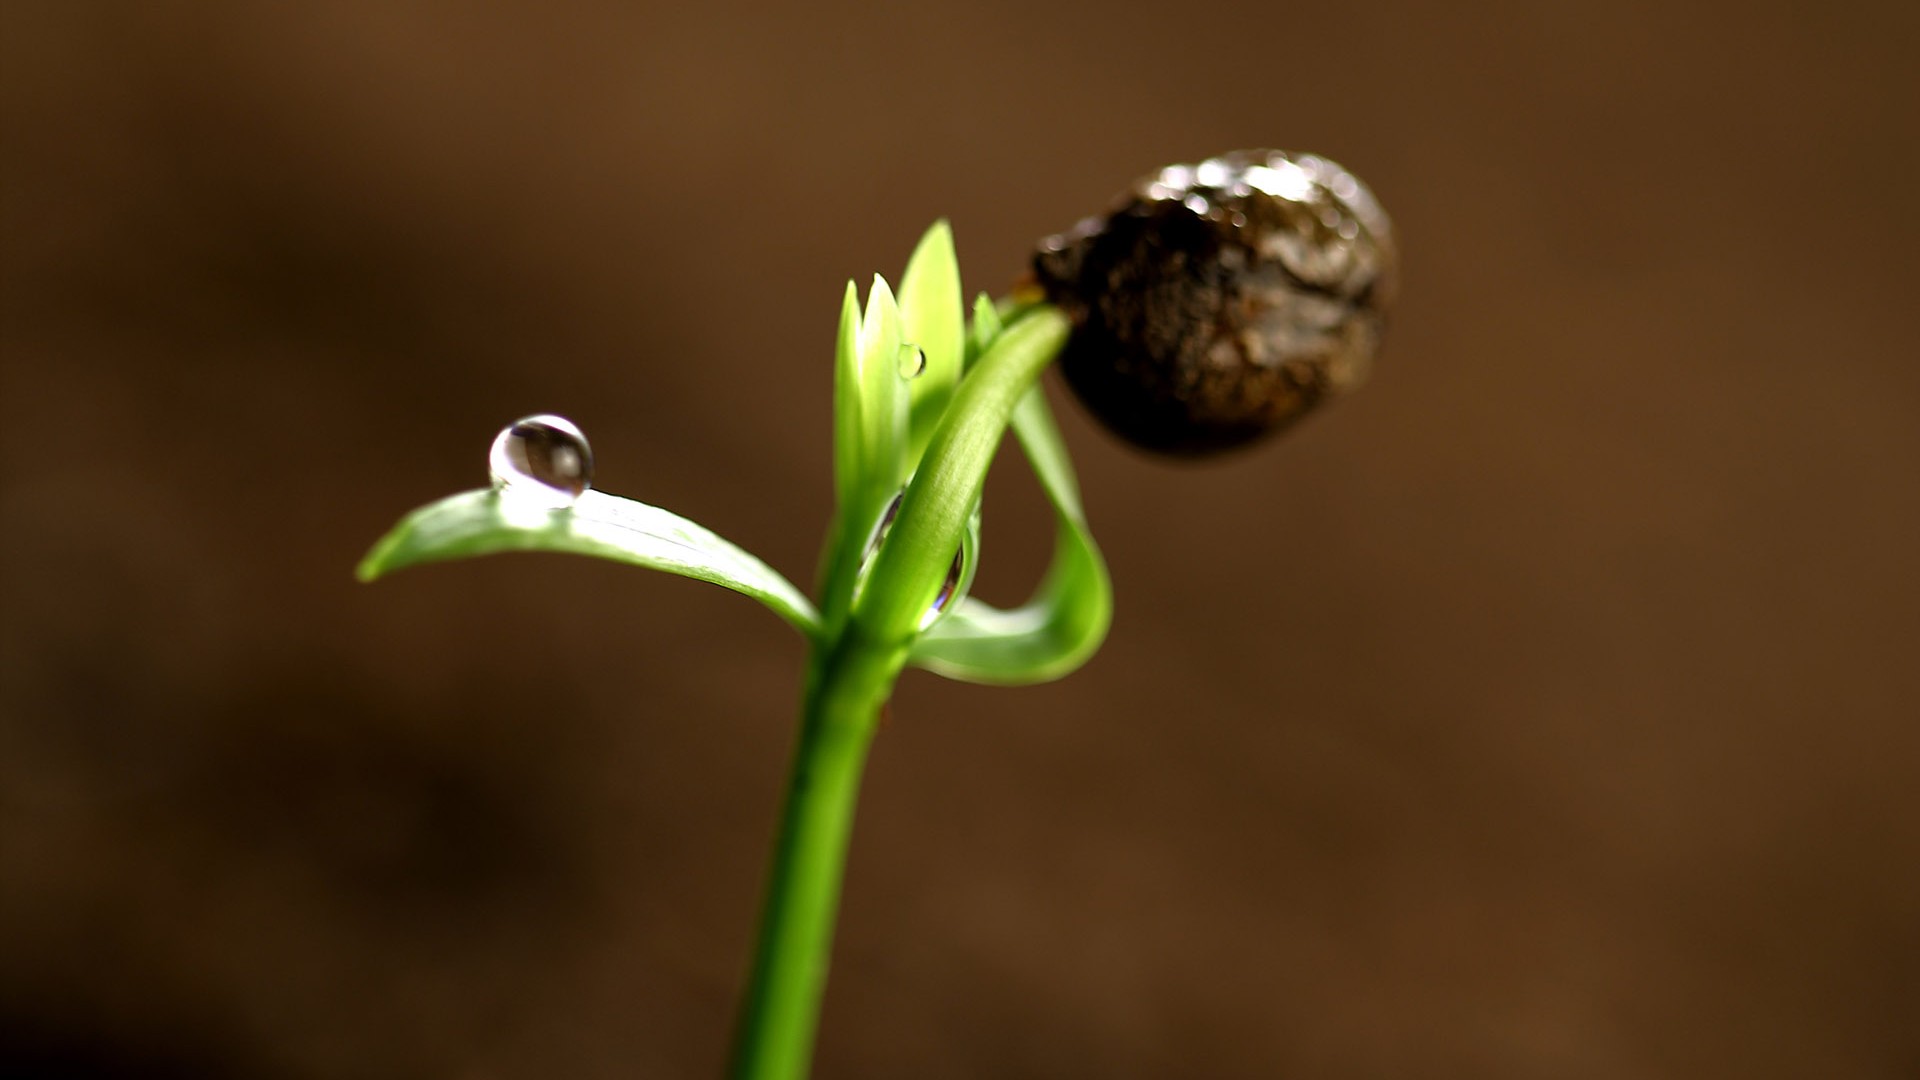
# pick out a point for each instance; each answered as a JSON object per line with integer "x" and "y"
{"x": 1547, "y": 710}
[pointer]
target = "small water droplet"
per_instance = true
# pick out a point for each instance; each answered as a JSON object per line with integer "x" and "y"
{"x": 542, "y": 459}
{"x": 913, "y": 361}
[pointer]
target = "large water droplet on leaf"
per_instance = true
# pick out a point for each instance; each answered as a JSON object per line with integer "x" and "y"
{"x": 541, "y": 461}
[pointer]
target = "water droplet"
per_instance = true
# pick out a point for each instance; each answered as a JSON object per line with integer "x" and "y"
{"x": 947, "y": 589}
{"x": 955, "y": 573}
{"x": 913, "y": 361}
{"x": 878, "y": 534}
{"x": 542, "y": 460}
{"x": 886, "y": 522}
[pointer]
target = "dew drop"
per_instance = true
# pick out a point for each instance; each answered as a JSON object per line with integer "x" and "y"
{"x": 955, "y": 573}
{"x": 874, "y": 538}
{"x": 541, "y": 460}
{"x": 913, "y": 361}
{"x": 886, "y": 522}
{"x": 947, "y": 589}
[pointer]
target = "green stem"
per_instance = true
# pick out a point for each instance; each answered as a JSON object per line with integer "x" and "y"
{"x": 852, "y": 675}
{"x": 851, "y": 680}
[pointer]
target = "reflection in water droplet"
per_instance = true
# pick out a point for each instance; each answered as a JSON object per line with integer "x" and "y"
{"x": 878, "y": 534}
{"x": 541, "y": 460}
{"x": 913, "y": 361}
{"x": 947, "y": 589}
{"x": 955, "y": 573}
{"x": 886, "y": 522}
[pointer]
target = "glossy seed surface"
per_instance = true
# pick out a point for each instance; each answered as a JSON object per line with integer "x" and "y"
{"x": 1220, "y": 302}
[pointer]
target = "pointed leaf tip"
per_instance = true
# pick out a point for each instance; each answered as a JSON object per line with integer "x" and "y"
{"x": 484, "y": 522}
{"x": 932, "y": 317}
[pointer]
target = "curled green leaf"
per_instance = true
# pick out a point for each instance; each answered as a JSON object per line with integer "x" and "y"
{"x": 909, "y": 570}
{"x": 485, "y": 522}
{"x": 1064, "y": 622}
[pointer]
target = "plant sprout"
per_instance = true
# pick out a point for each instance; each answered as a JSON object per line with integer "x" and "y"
{"x": 1215, "y": 303}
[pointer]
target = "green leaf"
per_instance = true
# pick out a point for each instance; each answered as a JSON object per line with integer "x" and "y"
{"x": 1066, "y": 619}
{"x": 604, "y": 526}
{"x": 986, "y": 328}
{"x": 969, "y": 555}
{"x": 932, "y": 319}
{"x": 911, "y": 566}
{"x": 883, "y": 392}
{"x": 870, "y": 438}
{"x": 846, "y": 398}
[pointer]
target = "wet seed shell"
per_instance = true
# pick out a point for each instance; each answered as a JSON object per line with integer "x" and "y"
{"x": 1221, "y": 302}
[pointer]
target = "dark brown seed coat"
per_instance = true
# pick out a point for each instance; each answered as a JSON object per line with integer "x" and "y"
{"x": 1220, "y": 302}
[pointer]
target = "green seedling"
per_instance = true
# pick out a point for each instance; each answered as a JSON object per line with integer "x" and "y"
{"x": 1227, "y": 299}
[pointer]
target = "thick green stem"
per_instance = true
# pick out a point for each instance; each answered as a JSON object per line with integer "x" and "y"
{"x": 850, "y": 683}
